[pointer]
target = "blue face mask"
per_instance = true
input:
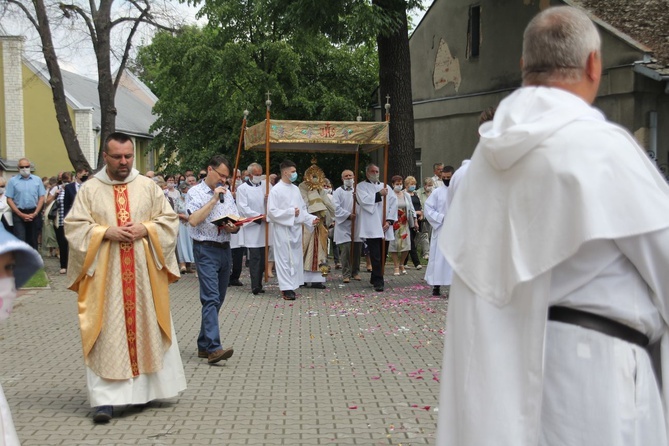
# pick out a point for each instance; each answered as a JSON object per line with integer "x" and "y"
{"x": 412, "y": 188}
{"x": 293, "y": 177}
{"x": 246, "y": 178}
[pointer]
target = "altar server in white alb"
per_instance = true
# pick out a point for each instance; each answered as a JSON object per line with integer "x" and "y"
{"x": 286, "y": 213}
{"x": 251, "y": 203}
{"x": 372, "y": 225}
{"x": 342, "y": 200}
{"x": 438, "y": 273}
{"x": 558, "y": 240}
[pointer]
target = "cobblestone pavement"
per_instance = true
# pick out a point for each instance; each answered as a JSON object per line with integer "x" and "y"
{"x": 340, "y": 366}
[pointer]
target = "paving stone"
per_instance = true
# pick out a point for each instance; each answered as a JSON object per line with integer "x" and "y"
{"x": 338, "y": 366}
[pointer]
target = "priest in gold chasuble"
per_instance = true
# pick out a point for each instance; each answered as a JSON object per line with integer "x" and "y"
{"x": 315, "y": 243}
{"x": 122, "y": 233}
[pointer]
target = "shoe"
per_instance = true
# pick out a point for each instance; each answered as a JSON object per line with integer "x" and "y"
{"x": 407, "y": 267}
{"x": 317, "y": 285}
{"x": 419, "y": 267}
{"x": 402, "y": 270}
{"x": 378, "y": 288}
{"x": 397, "y": 272}
{"x": 337, "y": 265}
{"x": 346, "y": 280}
{"x": 270, "y": 275}
{"x": 436, "y": 291}
{"x": 257, "y": 291}
{"x": 357, "y": 277}
{"x": 288, "y": 295}
{"x": 369, "y": 270}
{"x": 202, "y": 354}
{"x": 236, "y": 282}
{"x": 183, "y": 270}
{"x": 63, "y": 271}
{"x": 220, "y": 355}
{"x": 103, "y": 414}
{"x": 426, "y": 257}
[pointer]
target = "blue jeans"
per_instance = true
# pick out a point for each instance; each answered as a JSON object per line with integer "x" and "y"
{"x": 213, "y": 270}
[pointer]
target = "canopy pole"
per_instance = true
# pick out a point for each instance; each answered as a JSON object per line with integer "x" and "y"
{"x": 239, "y": 151}
{"x": 268, "y": 103}
{"x": 355, "y": 188}
{"x": 385, "y": 184}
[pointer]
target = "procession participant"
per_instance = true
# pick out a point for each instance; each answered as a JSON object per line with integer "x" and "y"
{"x": 122, "y": 233}
{"x": 410, "y": 187}
{"x": 400, "y": 246}
{"x": 251, "y": 203}
{"x": 557, "y": 237}
{"x": 18, "y": 263}
{"x": 207, "y": 201}
{"x": 370, "y": 223}
{"x": 436, "y": 178}
{"x": 438, "y": 272}
{"x": 425, "y": 228}
{"x": 25, "y": 196}
{"x": 286, "y": 213}
{"x": 342, "y": 200}
{"x": 315, "y": 240}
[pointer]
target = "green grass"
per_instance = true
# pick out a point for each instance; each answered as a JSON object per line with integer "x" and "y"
{"x": 39, "y": 280}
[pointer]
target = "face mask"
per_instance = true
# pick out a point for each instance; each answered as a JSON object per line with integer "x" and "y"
{"x": 328, "y": 191}
{"x": 83, "y": 178}
{"x": 2, "y": 190}
{"x": 374, "y": 178}
{"x": 293, "y": 177}
{"x": 25, "y": 172}
{"x": 314, "y": 179}
{"x": 203, "y": 175}
{"x": 428, "y": 188}
{"x": 7, "y": 296}
{"x": 397, "y": 188}
{"x": 238, "y": 182}
{"x": 348, "y": 183}
{"x": 412, "y": 188}
{"x": 258, "y": 179}
{"x": 447, "y": 181}
{"x": 170, "y": 185}
{"x": 246, "y": 178}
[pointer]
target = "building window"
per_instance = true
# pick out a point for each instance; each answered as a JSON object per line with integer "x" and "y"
{"x": 418, "y": 171}
{"x": 474, "y": 32}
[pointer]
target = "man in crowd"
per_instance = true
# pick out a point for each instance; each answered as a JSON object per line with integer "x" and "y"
{"x": 286, "y": 213}
{"x": 371, "y": 223}
{"x": 122, "y": 233}
{"x": 251, "y": 203}
{"x": 25, "y": 196}
{"x": 436, "y": 179}
{"x": 342, "y": 199}
{"x": 237, "y": 242}
{"x": 446, "y": 174}
{"x": 207, "y": 201}
{"x": 557, "y": 237}
{"x": 66, "y": 198}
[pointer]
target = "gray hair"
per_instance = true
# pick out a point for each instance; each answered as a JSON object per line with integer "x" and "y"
{"x": 556, "y": 46}
{"x": 253, "y": 166}
{"x": 369, "y": 166}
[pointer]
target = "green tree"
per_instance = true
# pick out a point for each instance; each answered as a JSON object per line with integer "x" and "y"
{"x": 205, "y": 78}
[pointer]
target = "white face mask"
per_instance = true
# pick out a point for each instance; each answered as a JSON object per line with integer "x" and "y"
{"x": 25, "y": 172}
{"x": 257, "y": 179}
{"x": 397, "y": 188}
{"x": 7, "y": 296}
{"x": 428, "y": 188}
{"x": 348, "y": 183}
{"x": 374, "y": 178}
{"x": 2, "y": 190}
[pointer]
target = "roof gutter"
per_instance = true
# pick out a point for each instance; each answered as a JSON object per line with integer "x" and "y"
{"x": 652, "y": 74}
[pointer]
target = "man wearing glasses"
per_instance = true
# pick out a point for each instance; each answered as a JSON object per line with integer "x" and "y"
{"x": 25, "y": 196}
{"x": 207, "y": 201}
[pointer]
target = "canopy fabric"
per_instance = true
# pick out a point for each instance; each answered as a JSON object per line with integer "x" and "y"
{"x": 318, "y": 136}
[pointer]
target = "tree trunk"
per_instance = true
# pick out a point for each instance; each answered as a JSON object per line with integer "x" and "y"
{"x": 106, "y": 89}
{"x": 65, "y": 125}
{"x": 395, "y": 81}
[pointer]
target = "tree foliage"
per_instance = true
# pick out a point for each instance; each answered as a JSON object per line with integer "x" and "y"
{"x": 205, "y": 78}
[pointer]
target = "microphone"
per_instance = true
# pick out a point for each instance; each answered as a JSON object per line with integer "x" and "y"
{"x": 221, "y": 197}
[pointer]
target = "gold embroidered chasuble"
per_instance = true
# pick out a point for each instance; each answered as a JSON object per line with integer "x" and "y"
{"x": 124, "y": 310}
{"x": 315, "y": 243}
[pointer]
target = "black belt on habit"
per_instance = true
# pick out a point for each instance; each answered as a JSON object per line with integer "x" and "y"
{"x": 222, "y": 245}
{"x": 598, "y": 323}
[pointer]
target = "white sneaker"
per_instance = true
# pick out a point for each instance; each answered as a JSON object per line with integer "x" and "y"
{"x": 419, "y": 267}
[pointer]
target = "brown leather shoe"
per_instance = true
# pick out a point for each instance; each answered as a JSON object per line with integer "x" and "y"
{"x": 220, "y": 355}
{"x": 202, "y": 354}
{"x": 357, "y": 277}
{"x": 346, "y": 280}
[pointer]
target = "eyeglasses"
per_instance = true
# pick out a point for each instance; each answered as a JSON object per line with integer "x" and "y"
{"x": 223, "y": 177}
{"x": 24, "y": 167}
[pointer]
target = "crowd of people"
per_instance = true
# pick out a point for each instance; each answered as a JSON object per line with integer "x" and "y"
{"x": 554, "y": 247}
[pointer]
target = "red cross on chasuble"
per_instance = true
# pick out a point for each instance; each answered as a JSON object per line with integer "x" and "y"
{"x": 128, "y": 276}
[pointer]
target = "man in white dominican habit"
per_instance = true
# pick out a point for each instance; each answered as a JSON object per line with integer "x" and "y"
{"x": 122, "y": 233}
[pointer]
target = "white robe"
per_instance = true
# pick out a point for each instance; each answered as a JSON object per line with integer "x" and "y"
{"x": 456, "y": 179}
{"x": 8, "y": 435}
{"x": 251, "y": 203}
{"x": 558, "y": 207}
{"x": 342, "y": 200}
{"x": 369, "y": 221}
{"x": 438, "y": 271}
{"x": 286, "y": 233}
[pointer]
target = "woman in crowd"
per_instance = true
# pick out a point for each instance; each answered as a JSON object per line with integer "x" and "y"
{"x": 184, "y": 242}
{"x": 423, "y": 238}
{"x": 400, "y": 247}
{"x": 410, "y": 186}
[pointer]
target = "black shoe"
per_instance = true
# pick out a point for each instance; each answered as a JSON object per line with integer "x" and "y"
{"x": 257, "y": 291}
{"x": 103, "y": 414}
{"x": 378, "y": 288}
{"x": 436, "y": 291}
{"x": 317, "y": 285}
{"x": 288, "y": 295}
{"x": 236, "y": 282}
